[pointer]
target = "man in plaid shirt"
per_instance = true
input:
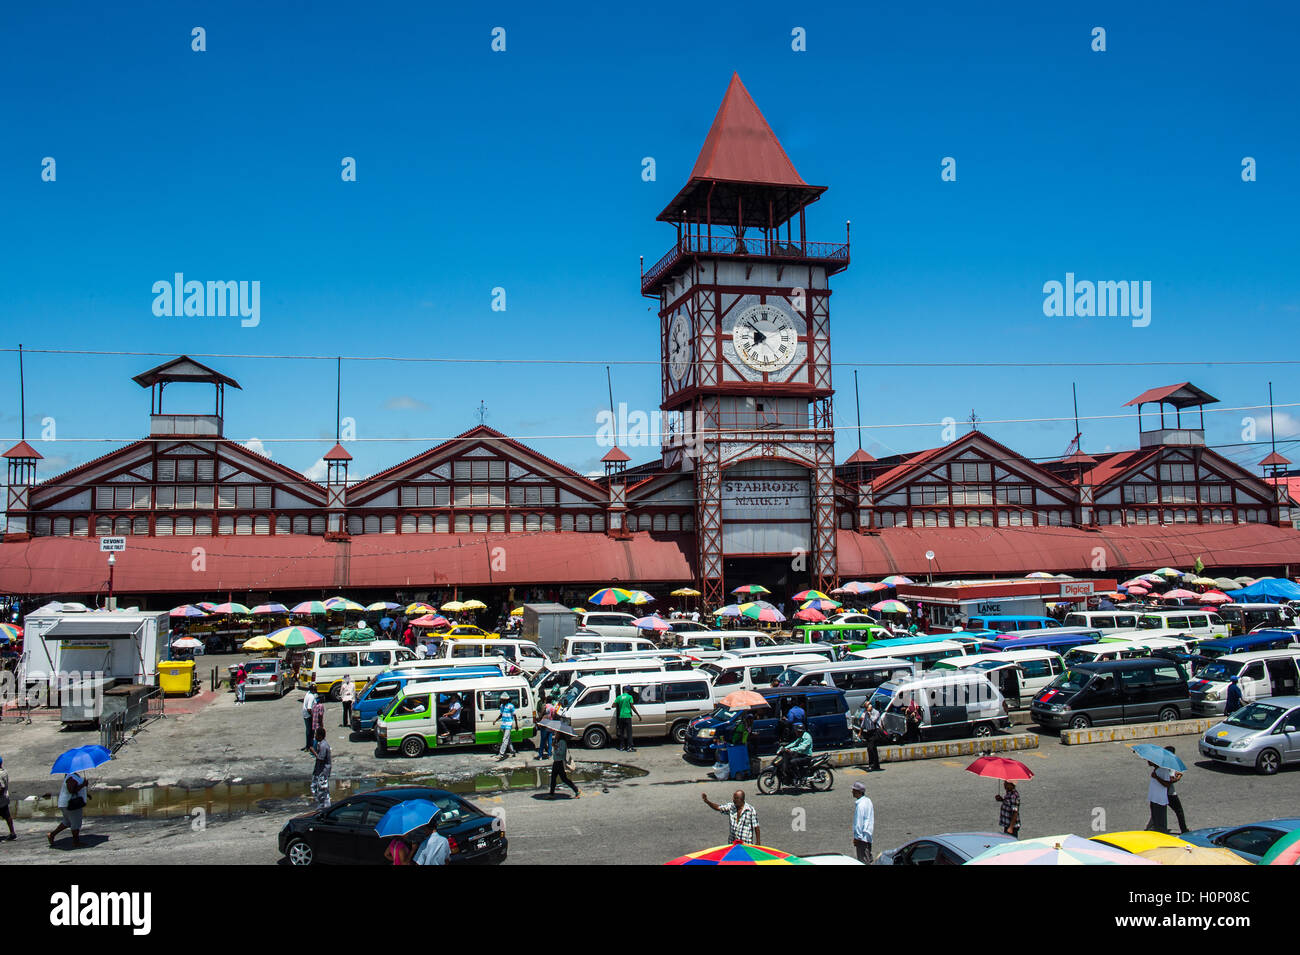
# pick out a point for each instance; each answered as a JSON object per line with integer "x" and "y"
{"x": 1009, "y": 814}
{"x": 743, "y": 818}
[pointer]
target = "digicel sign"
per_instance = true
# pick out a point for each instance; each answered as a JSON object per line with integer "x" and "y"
{"x": 1077, "y": 589}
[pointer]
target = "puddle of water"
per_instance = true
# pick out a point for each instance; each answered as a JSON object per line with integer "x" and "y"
{"x": 173, "y": 802}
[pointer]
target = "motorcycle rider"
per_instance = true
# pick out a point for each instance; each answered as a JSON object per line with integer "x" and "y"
{"x": 795, "y": 755}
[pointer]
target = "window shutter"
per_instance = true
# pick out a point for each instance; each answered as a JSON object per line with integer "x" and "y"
{"x": 103, "y": 498}
{"x": 205, "y": 469}
{"x": 122, "y": 496}
{"x": 166, "y": 469}
{"x": 262, "y": 497}
{"x": 244, "y": 497}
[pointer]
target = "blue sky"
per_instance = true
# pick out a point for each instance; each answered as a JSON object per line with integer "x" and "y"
{"x": 522, "y": 170}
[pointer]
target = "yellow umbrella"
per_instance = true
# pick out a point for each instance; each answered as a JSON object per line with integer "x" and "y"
{"x": 418, "y": 608}
{"x": 257, "y": 643}
{"x": 685, "y": 592}
{"x": 1193, "y": 855}
{"x": 473, "y": 605}
{"x": 517, "y": 612}
{"x": 455, "y": 606}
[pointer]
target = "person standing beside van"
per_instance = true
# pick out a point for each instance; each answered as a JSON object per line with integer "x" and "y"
{"x": 624, "y": 708}
{"x": 308, "y": 704}
{"x": 1233, "y": 701}
{"x": 320, "y": 773}
{"x": 348, "y": 696}
{"x": 506, "y": 717}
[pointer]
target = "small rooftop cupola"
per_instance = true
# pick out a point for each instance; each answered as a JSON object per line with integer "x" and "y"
{"x": 742, "y": 191}
{"x": 336, "y": 488}
{"x": 615, "y": 462}
{"x": 21, "y": 460}
{"x": 1173, "y": 432}
{"x": 185, "y": 424}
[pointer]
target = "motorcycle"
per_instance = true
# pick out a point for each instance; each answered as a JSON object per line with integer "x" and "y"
{"x": 816, "y": 775}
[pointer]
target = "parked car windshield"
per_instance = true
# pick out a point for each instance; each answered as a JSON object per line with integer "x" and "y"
{"x": 1072, "y": 680}
{"x": 262, "y": 666}
{"x": 1256, "y": 716}
{"x": 1219, "y": 670}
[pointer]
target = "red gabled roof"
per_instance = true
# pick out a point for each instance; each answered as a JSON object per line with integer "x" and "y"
{"x": 616, "y": 454}
{"x": 1008, "y": 458}
{"x": 1170, "y": 394}
{"x": 741, "y": 147}
{"x": 859, "y": 457}
{"x": 1111, "y": 466}
{"x": 1274, "y": 460}
{"x": 337, "y": 453}
{"x": 22, "y": 450}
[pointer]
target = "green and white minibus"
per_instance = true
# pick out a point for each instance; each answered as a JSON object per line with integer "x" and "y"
{"x": 420, "y": 716}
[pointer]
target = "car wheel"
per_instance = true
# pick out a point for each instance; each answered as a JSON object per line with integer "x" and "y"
{"x": 1080, "y": 722}
{"x": 595, "y": 738}
{"x": 336, "y": 692}
{"x": 983, "y": 729}
{"x": 679, "y": 731}
{"x": 413, "y": 746}
{"x": 1168, "y": 714}
{"x": 1268, "y": 762}
{"x": 300, "y": 853}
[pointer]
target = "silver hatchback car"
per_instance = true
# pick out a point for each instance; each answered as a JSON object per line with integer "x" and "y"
{"x": 1264, "y": 734}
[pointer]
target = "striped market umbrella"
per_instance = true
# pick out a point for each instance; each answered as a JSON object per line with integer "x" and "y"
{"x": 1039, "y": 573}
{"x": 187, "y": 610}
{"x": 473, "y": 605}
{"x": 1057, "y": 850}
{"x": 730, "y": 610}
{"x": 1286, "y": 851}
{"x": 891, "y": 606}
{"x": 10, "y": 631}
{"x": 420, "y": 608}
{"x": 1215, "y": 597}
{"x": 1225, "y": 583}
{"x": 859, "y": 587}
{"x": 383, "y": 605}
{"x": 1193, "y": 855}
{"x": 893, "y": 580}
{"x": 205, "y": 605}
{"x": 343, "y": 603}
{"x": 610, "y": 596}
{"x": 186, "y": 643}
{"x": 821, "y": 603}
{"x": 1179, "y": 594}
{"x": 810, "y": 615}
{"x": 685, "y": 592}
{"x": 1167, "y": 572}
{"x": 230, "y": 608}
{"x": 257, "y": 643}
{"x": 270, "y": 608}
{"x": 578, "y": 610}
{"x": 294, "y": 637}
{"x": 651, "y": 623}
{"x": 738, "y": 853}
{"x": 640, "y": 598}
{"x": 517, "y": 612}
{"x": 430, "y": 620}
{"x": 308, "y": 607}
{"x": 1202, "y": 582}
{"x": 767, "y": 614}
{"x": 810, "y": 595}
{"x": 751, "y": 589}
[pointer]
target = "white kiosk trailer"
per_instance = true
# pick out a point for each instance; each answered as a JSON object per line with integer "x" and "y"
{"x": 84, "y": 661}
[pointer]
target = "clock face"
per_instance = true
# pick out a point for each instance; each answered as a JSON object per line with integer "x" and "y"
{"x": 765, "y": 338}
{"x": 679, "y": 346}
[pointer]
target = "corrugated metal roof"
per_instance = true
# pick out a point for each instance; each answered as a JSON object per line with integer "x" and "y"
{"x": 1181, "y": 395}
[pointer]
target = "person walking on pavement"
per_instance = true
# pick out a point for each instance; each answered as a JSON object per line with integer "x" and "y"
{"x": 1175, "y": 803}
{"x": 870, "y": 729}
{"x": 743, "y": 820}
{"x": 320, "y": 773}
{"x": 435, "y": 850}
{"x": 506, "y": 717}
{"x": 4, "y": 801}
{"x": 559, "y": 764}
{"x": 1009, "y": 813}
{"x": 624, "y": 708}
{"x": 72, "y": 800}
{"x": 308, "y": 704}
{"x": 864, "y": 823}
{"x": 1233, "y": 701}
{"x": 349, "y": 696}
{"x": 547, "y": 735}
{"x": 1158, "y": 797}
{"x": 241, "y": 679}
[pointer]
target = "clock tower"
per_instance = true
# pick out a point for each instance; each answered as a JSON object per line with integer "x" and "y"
{"x": 744, "y": 328}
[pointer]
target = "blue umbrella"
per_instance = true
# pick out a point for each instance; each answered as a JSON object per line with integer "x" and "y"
{"x": 385, "y": 623}
{"x": 405, "y": 816}
{"x": 82, "y": 757}
{"x": 1160, "y": 756}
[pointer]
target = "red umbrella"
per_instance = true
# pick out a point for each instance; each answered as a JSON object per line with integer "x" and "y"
{"x": 999, "y": 767}
{"x": 430, "y": 620}
{"x": 1216, "y": 597}
{"x": 812, "y": 616}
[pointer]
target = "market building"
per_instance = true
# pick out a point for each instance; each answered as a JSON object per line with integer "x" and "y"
{"x": 745, "y": 487}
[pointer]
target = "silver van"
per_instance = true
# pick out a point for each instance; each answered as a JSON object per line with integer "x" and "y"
{"x": 1107, "y": 621}
{"x": 558, "y": 676}
{"x": 954, "y": 704}
{"x": 585, "y": 644}
{"x": 728, "y": 674}
{"x": 857, "y": 678}
{"x": 706, "y": 646}
{"x": 665, "y": 705}
{"x": 1260, "y": 674}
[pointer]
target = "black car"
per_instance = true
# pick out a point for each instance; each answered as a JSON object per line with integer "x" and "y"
{"x": 344, "y": 834}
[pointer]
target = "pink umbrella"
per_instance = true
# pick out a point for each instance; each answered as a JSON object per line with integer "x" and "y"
{"x": 1180, "y": 594}
{"x": 1216, "y": 597}
{"x": 651, "y": 623}
{"x": 812, "y": 616}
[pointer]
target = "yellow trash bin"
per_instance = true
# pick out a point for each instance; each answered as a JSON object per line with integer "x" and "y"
{"x": 176, "y": 676}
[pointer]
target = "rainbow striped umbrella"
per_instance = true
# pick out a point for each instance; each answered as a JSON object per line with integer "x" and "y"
{"x": 751, "y": 589}
{"x": 768, "y": 614}
{"x": 893, "y": 580}
{"x": 730, "y": 610}
{"x": 610, "y": 596}
{"x": 890, "y": 606}
{"x": 383, "y": 605}
{"x": 1057, "y": 850}
{"x": 205, "y": 605}
{"x": 294, "y": 637}
{"x": 420, "y": 608}
{"x": 310, "y": 607}
{"x": 9, "y": 631}
{"x": 231, "y": 607}
{"x": 738, "y": 853}
{"x": 651, "y": 623}
{"x": 812, "y": 616}
{"x": 810, "y": 595}
{"x": 640, "y": 598}
{"x": 1286, "y": 851}
{"x": 343, "y": 603}
{"x": 821, "y": 603}
{"x": 270, "y": 608}
{"x": 187, "y": 610}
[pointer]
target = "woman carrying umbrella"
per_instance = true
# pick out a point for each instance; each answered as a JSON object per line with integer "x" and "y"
{"x": 560, "y": 755}
{"x": 74, "y": 792}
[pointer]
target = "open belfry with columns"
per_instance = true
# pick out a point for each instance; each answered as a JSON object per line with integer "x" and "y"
{"x": 745, "y": 489}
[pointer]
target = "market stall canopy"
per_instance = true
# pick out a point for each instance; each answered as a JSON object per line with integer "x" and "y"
{"x": 1267, "y": 589}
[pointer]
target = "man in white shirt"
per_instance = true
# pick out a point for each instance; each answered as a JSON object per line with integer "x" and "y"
{"x": 433, "y": 851}
{"x": 421, "y": 651}
{"x": 308, "y": 703}
{"x": 864, "y": 823}
{"x": 1158, "y": 797}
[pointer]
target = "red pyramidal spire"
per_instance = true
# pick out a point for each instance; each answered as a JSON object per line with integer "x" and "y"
{"x": 741, "y": 147}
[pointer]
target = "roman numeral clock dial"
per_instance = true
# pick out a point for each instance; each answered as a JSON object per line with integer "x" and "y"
{"x": 765, "y": 338}
{"x": 679, "y": 347}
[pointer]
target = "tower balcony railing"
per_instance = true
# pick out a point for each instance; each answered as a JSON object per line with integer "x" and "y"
{"x": 832, "y": 254}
